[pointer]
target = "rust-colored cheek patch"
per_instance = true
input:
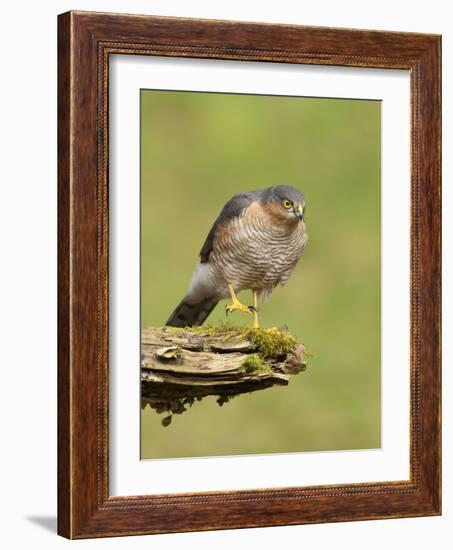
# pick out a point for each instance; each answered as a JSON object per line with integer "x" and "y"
{"x": 278, "y": 215}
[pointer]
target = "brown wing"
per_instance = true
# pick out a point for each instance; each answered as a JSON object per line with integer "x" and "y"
{"x": 232, "y": 209}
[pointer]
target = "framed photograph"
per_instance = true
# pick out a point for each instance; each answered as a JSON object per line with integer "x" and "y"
{"x": 249, "y": 275}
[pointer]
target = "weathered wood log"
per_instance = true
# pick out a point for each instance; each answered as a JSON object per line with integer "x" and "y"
{"x": 181, "y": 366}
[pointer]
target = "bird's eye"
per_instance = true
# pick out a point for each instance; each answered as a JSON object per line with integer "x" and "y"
{"x": 286, "y": 203}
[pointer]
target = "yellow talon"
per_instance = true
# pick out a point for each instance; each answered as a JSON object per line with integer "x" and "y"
{"x": 237, "y": 306}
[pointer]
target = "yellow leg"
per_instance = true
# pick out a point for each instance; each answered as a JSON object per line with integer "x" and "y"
{"x": 255, "y": 310}
{"x": 236, "y": 304}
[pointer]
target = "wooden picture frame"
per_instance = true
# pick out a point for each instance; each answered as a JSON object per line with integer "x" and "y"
{"x": 85, "y": 42}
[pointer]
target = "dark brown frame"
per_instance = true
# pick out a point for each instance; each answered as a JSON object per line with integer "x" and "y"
{"x": 85, "y": 42}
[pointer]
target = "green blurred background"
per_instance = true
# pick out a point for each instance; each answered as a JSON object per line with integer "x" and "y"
{"x": 198, "y": 149}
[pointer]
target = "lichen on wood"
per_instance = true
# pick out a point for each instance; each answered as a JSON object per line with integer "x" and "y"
{"x": 182, "y": 366}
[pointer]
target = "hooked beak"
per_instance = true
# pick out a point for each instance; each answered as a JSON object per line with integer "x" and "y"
{"x": 299, "y": 211}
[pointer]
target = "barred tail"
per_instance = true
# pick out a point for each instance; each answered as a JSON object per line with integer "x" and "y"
{"x": 190, "y": 315}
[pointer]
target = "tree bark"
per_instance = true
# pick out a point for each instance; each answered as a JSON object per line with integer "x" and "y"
{"x": 181, "y": 366}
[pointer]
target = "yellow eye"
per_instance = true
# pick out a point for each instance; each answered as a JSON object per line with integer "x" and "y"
{"x": 286, "y": 203}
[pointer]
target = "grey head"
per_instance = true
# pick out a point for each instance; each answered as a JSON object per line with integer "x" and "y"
{"x": 284, "y": 199}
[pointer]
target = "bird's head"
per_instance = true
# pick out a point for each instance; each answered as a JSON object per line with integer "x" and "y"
{"x": 284, "y": 203}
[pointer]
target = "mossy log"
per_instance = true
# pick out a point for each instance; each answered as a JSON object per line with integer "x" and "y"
{"x": 181, "y": 366}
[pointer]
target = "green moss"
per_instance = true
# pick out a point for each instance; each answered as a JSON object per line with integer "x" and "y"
{"x": 272, "y": 342}
{"x": 254, "y": 364}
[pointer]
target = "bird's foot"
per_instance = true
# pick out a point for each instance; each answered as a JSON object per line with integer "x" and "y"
{"x": 237, "y": 306}
{"x": 254, "y": 311}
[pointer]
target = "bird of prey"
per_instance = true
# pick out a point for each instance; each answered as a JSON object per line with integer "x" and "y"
{"x": 255, "y": 243}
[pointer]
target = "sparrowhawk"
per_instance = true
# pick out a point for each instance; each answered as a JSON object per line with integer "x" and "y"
{"x": 255, "y": 243}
